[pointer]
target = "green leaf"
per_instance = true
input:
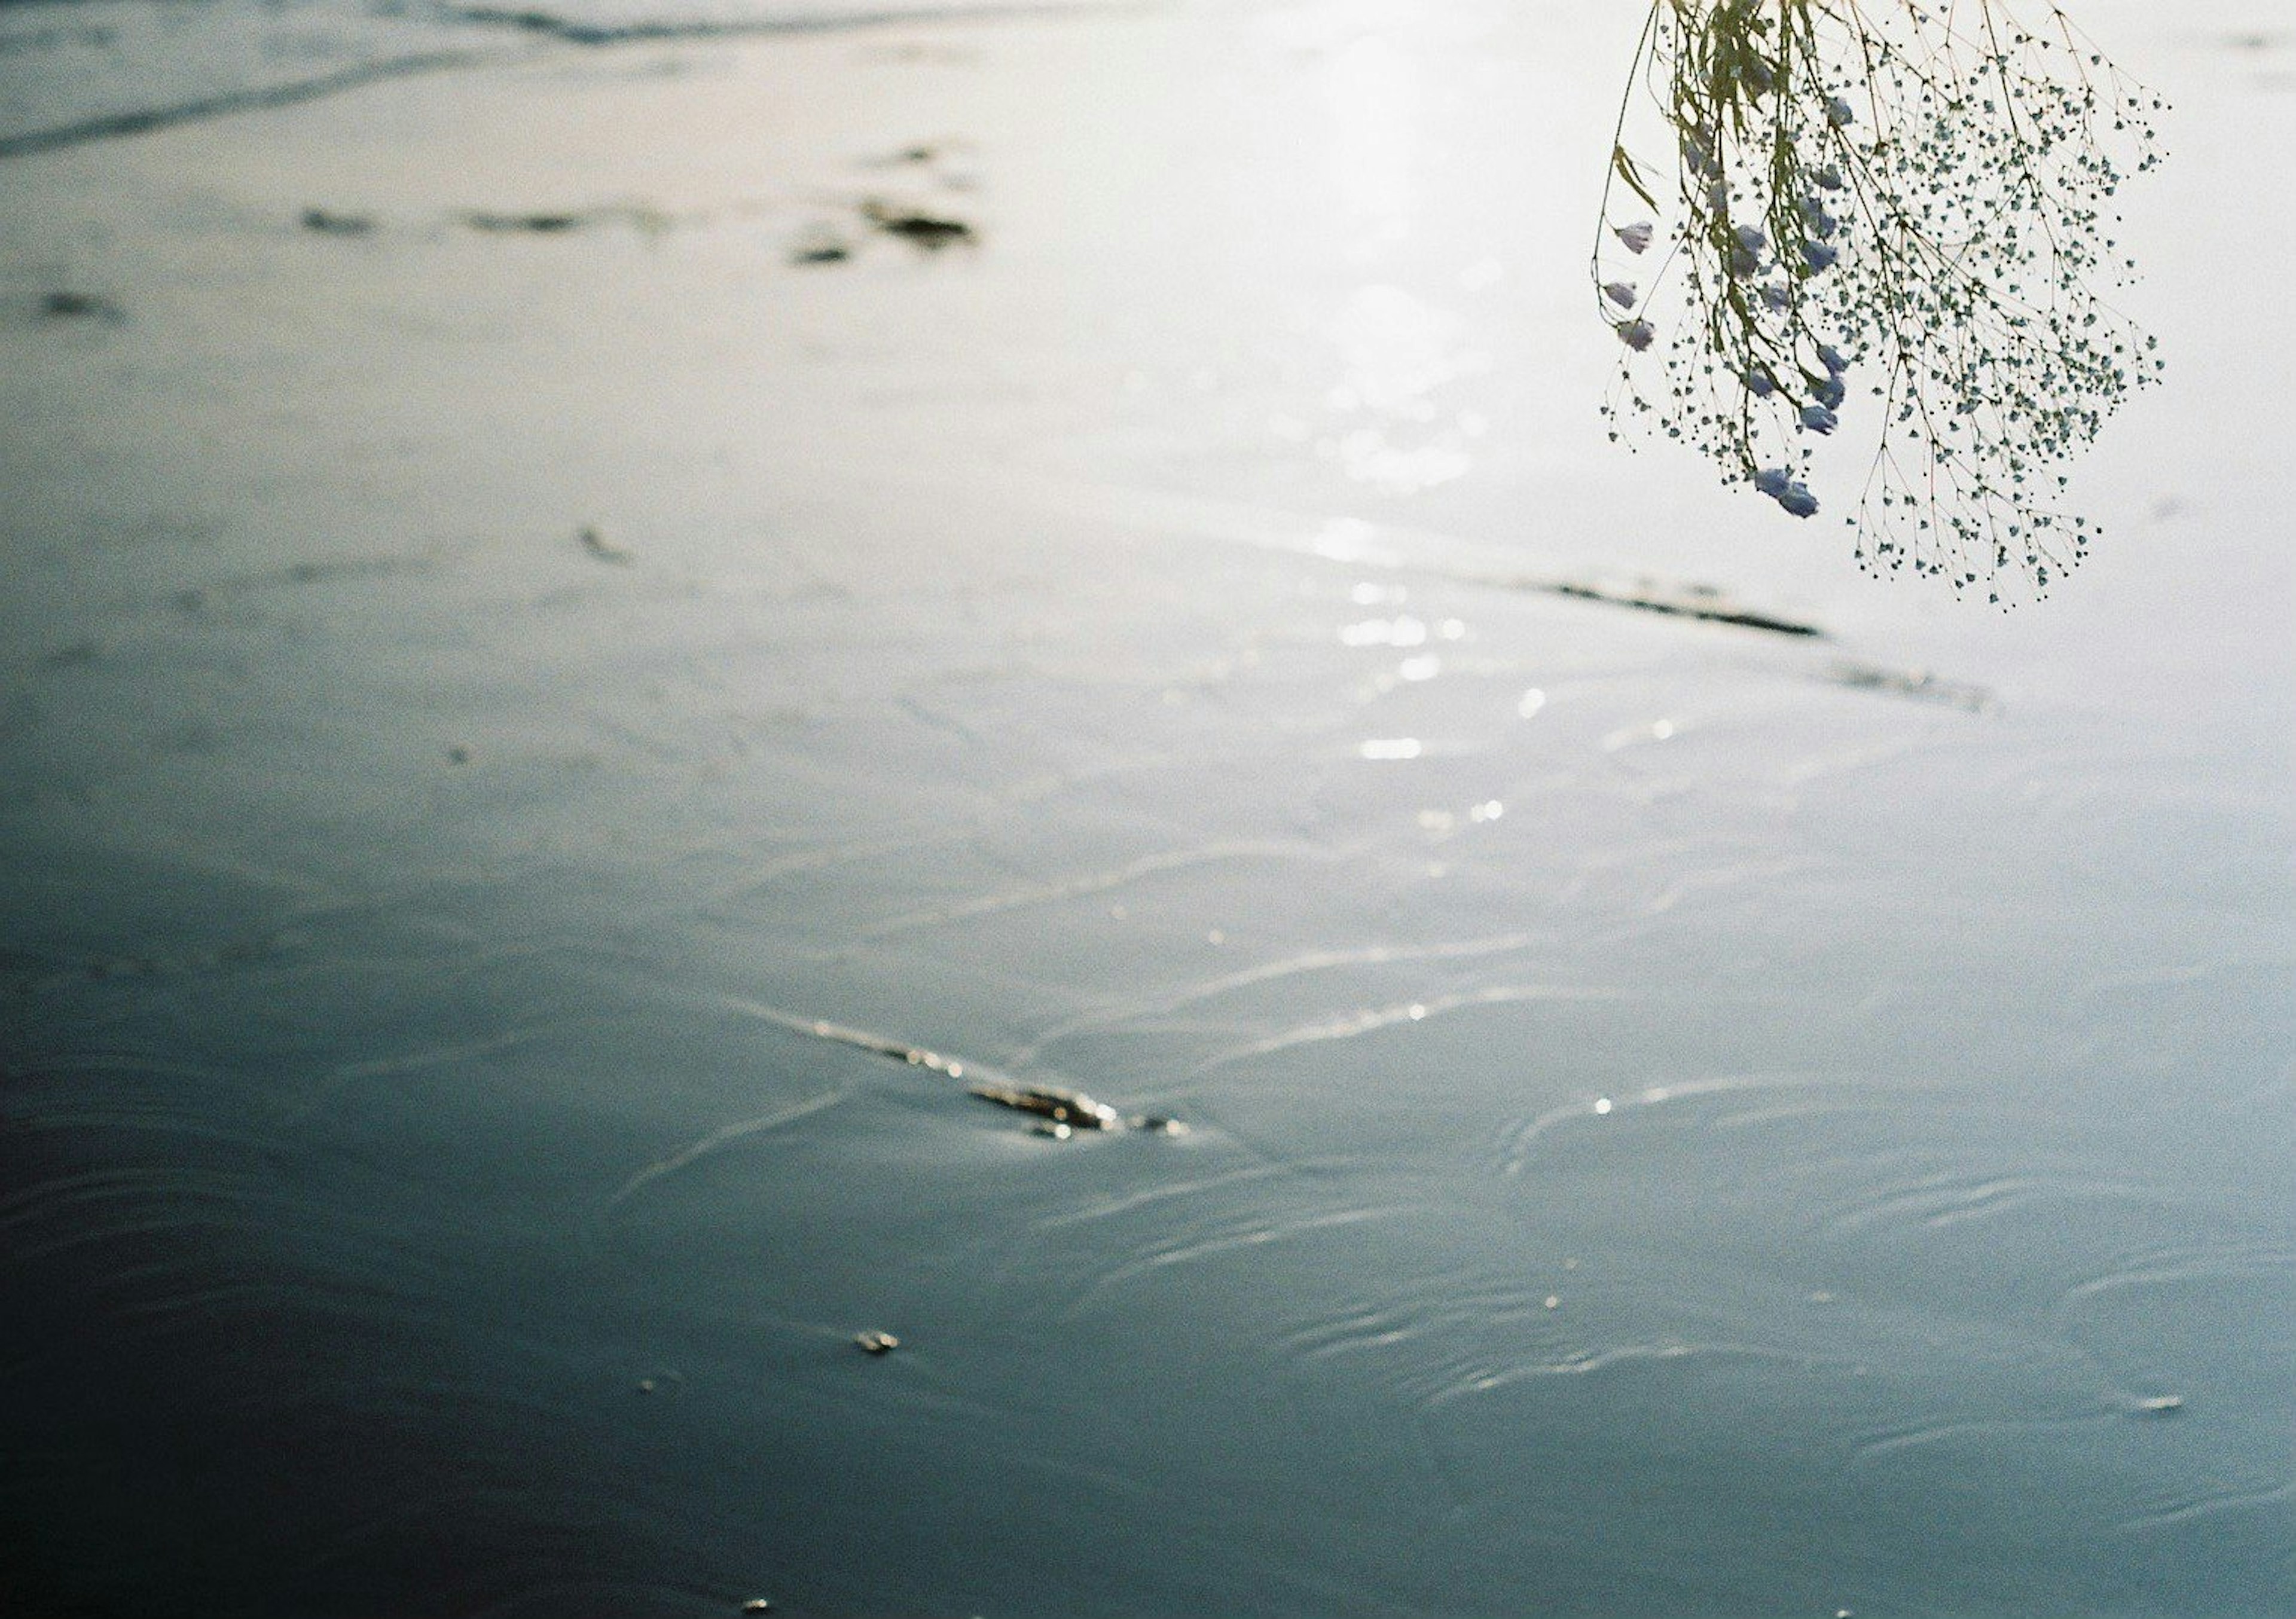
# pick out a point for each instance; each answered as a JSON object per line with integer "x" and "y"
{"x": 1624, "y": 166}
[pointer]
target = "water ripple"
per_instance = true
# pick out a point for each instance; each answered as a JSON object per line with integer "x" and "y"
{"x": 1269, "y": 972}
{"x": 1092, "y": 882}
{"x": 1372, "y": 1019}
{"x": 1522, "y": 1137}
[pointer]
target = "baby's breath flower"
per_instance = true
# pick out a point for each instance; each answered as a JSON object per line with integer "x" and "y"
{"x": 1977, "y": 158}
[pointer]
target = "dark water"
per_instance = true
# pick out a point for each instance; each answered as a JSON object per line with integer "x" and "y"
{"x": 419, "y": 1203}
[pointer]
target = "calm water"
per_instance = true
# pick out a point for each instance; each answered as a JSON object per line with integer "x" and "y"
{"x": 1683, "y": 1121}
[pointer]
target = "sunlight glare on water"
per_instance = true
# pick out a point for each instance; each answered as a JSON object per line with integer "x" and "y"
{"x": 1374, "y": 89}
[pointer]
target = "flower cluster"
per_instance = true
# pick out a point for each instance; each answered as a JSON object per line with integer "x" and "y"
{"x": 1914, "y": 203}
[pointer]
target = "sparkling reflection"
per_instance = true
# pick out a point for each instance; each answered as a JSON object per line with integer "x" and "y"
{"x": 1383, "y": 423}
{"x": 1374, "y": 95}
{"x": 1402, "y": 631}
{"x": 1396, "y": 353}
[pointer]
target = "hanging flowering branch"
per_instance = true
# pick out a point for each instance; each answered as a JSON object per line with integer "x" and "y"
{"x": 1913, "y": 203}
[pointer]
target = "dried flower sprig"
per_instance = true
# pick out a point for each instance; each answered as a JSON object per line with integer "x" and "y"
{"x": 1915, "y": 200}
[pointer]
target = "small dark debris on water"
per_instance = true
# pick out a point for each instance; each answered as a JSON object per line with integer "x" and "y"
{"x": 1069, "y": 1109}
{"x": 821, "y": 250}
{"x": 1917, "y": 683}
{"x": 933, "y": 159}
{"x": 81, "y": 307}
{"x": 877, "y": 1343}
{"x": 325, "y": 222}
{"x": 1066, "y": 1110}
{"x": 928, "y": 233}
{"x": 1701, "y": 601}
{"x": 532, "y": 21}
{"x": 1060, "y": 1112}
{"x": 649, "y": 221}
{"x": 599, "y": 546}
{"x": 538, "y": 225}
{"x": 458, "y": 754}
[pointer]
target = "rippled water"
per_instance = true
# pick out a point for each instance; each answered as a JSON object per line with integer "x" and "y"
{"x": 1685, "y": 1119}
{"x": 75, "y": 70}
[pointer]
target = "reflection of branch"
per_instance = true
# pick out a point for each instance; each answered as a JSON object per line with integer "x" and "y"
{"x": 1924, "y": 193}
